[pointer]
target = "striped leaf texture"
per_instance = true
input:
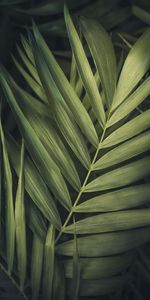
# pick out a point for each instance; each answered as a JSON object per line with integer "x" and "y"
{"x": 81, "y": 175}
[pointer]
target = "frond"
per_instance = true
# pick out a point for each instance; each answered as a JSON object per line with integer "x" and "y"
{"x": 82, "y": 190}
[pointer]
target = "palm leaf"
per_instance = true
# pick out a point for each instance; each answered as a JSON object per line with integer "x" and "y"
{"x": 10, "y": 217}
{"x": 88, "y": 148}
{"x": 20, "y": 223}
{"x": 134, "y": 68}
{"x": 36, "y": 266}
{"x": 85, "y": 70}
{"x": 106, "y": 244}
{"x": 49, "y": 257}
{"x": 97, "y": 38}
{"x": 34, "y": 184}
{"x": 45, "y": 164}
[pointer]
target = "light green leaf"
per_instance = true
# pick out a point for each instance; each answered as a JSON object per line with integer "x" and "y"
{"x": 10, "y": 216}
{"x": 81, "y": 116}
{"x": 20, "y": 223}
{"x": 31, "y": 68}
{"x": 34, "y": 184}
{"x": 112, "y": 221}
{"x": 117, "y": 200}
{"x": 125, "y": 151}
{"x": 136, "y": 65}
{"x": 49, "y": 257}
{"x": 99, "y": 267}
{"x": 128, "y": 130}
{"x": 52, "y": 142}
{"x": 103, "y": 54}
{"x": 85, "y": 69}
{"x": 28, "y": 102}
{"x": 36, "y": 221}
{"x": 73, "y": 72}
{"x": 121, "y": 176}
{"x": 62, "y": 114}
{"x": 36, "y": 88}
{"x": 36, "y": 266}
{"x": 27, "y": 49}
{"x": 42, "y": 159}
{"x": 106, "y": 243}
{"x": 135, "y": 99}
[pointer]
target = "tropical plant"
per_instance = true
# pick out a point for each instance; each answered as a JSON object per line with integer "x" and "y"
{"x": 81, "y": 157}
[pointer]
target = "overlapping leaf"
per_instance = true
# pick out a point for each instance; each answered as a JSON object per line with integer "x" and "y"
{"x": 106, "y": 243}
{"x": 20, "y": 223}
{"x": 10, "y": 215}
{"x": 124, "y": 198}
{"x": 85, "y": 70}
{"x": 39, "y": 154}
{"x": 136, "y": 65}
{"x": 68, "y": 93}
{"x": 34, "y": 185}
{"x": 103, "y": 54}
{"x": 111, "y": 189}
{"x": 36, "y": 266}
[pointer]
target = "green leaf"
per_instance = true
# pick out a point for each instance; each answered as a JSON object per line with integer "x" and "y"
{"x": 42, "y": 159}
{"x": 34, "y": 184}
{"x": 121, "y": 176}
{"x": 125, "y": 151}
{"x": 31, "y": 68}
{"x": 36, "y": 266}
{"x": 85, "y": 69}
{"x": 99, "y": 267}
{"x": 35, "y": 220}
{"x": 20, "y": 223}
{"x": 113, "y": 221}
{"x": 27, "y": 102}
{"x": 117, "y": 200}
{"x": 54, "y": 145}
{"x": 36, "y": 88}
{"x": 27, "y": 49}
{"x": 135, "y": 99}
{"x": 10, "y": 216}
{"x": 136, "y": 65}
{"x": 106, "y": 243}
{"x": 64, "y": 117}
{"x": 103, "y": 55}
{"x": 81, "y": 116}
{"x": 49, "y": 257}
{"x": 128, "y": 130}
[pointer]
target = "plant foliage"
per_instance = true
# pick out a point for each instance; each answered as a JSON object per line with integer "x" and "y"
{"x": 80, "y": 172}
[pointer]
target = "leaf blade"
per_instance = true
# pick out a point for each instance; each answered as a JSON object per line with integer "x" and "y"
{"x": 121, "y": 176}
{"x": 39, "y": 154}
{"x": 103, "y": 54}
{"x": 10, "y": 216}
{"x": 135, "y": 66}
{"x": 20, "y": 222}
{"x": 84, "y": 69}
{"x": 124, "y": 198}
{"x": 81, "y": 116}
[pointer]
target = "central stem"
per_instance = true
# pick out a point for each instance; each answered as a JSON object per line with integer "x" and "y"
{"x": 82, "y": 188}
